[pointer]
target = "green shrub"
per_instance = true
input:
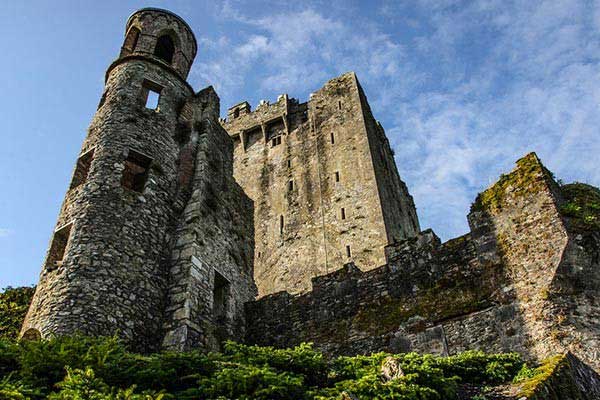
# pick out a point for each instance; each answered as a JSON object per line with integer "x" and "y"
{"x": 170, "y": 371}
{"x": 479, "y": 367}
{"x": 15, "y": 390}
{"x": 79, "y": 367}
{"x": 302, "y": 359}
{"x": 240, "y": 381}
{"x": 84, "y": 385}
{"x": 43, "y": 362}
{"x": 9, "y": 357}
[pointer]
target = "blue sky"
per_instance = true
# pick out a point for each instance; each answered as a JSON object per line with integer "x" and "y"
{"x": 463, "y": 88}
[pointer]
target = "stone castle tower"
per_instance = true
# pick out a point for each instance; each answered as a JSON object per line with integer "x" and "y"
{"x": 154, "y": 239}
{"x": 325, "y": 186}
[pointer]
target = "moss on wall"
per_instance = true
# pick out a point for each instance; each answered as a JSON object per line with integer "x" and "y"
{"x": 582, "y": 206}
{"x": 559, "y": 377}
{"x": 520, "y": 181}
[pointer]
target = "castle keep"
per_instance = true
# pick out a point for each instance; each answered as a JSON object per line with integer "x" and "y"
{"x": 290, "y": 223}
{"x": 324, "y": 183}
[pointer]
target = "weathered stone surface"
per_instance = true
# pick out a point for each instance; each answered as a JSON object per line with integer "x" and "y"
{"x": 346, "y": 201}
{"x": 514, "y": 283}
{"x": 124, "y": 262}
{"x": 390, "y": 369}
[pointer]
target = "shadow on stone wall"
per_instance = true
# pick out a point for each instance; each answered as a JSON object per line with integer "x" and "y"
{"x": 490, "y": 289}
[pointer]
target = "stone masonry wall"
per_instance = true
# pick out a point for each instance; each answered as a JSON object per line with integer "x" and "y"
{"x": 317, "y": 173}
{"x": 111, "y": 278}
{"x": 155, "y": 239}
{"x": 215, "y": 237}
{"x": 496, "y": 288}
{"x": 398, "y": 207}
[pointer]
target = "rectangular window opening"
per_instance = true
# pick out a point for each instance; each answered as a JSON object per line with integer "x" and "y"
{"x": 281, "y": 224}
{"x": 289, "y": 163}
{"x": 82, "y": 169}
{"x": 348, "y": 252}
{"x": 337, "y": 176}
{"x": 343, "y": 213}
{"x": 135, "y": 173}
{"x": 290, "y": 186}
{"x": 151, "y": 94}
{"x": 332, "y": 138}
{"x": 276, "y": 141}
{"x": 58, "y": 247}
{"x": 339, "y": 104}
{"x": 221, "y": 295}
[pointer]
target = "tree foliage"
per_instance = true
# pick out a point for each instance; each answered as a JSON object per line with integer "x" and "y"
{"x": 14, "y": 303}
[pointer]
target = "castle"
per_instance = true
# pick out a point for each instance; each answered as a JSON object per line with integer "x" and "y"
{"x": 290, "y": 223}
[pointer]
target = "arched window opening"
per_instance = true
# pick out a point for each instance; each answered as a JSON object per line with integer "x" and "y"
{"x": 236, "y": 113}
{"x": 32, "y": 335}
{"x": 132, "y": 38}
{"x": 165, "y": 48}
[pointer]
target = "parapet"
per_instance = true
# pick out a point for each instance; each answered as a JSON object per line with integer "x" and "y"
{"x": 267, "y": 121}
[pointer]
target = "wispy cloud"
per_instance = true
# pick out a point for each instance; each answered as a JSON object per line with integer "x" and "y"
{"x": 4, "y": 232}
{"x": 463, "y": 88}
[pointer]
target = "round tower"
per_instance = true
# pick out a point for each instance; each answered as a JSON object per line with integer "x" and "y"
{"x": 104, "y": 272}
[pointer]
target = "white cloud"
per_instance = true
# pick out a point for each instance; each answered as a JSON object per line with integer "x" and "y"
{"x": 4, "y": 232}
{"x": 482, "y": 84}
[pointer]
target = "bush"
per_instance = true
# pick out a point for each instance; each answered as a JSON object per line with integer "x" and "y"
{"x": 302, "y": 359}
{"x": 479, "y": 367}
{"x": 79, "y": 367}
{"x": 14, "y": 390}
{"x": 240, "y": 381}
{"x": 84, "y": 385}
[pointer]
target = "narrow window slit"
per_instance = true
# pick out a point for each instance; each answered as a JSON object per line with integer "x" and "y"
{"x": 290, "y": 186}
{"x": 343, "y": 213}
{"x": 276, "y": 141}
{"x": 332, "y": 138}
{"x": 337, "y": 176}
{"x": 281, "y": 224}
{"x": 221, "y": 295}
{"x": 348, "y": 252}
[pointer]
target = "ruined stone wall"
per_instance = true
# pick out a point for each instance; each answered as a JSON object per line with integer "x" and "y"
{"x": 214, "y": 241}
{"x": 311, "y": 172}
{"x": 515, "y": 283}
{"x": 397, "y": 307}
